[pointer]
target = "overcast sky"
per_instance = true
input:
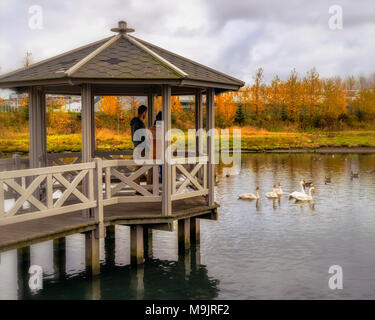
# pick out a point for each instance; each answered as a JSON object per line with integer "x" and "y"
{"x": 233, "y": 36}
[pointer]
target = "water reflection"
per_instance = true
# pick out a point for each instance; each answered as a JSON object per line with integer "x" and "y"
{"x": 185, "y": 278}
{"x": 156, "y": 279}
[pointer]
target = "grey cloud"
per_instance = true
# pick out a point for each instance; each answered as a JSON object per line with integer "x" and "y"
{"x": 234, "y": 36}
{"x": 291, "y": 12}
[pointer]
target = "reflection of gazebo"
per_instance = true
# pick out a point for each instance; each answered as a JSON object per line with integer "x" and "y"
{"x": 125, "y": 66}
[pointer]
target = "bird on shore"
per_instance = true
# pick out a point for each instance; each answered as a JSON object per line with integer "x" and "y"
{"x": 327, "y": 180}
{"x": 306, "y": 197}
{"x": 272, "y": 194}
{"x": 250, "y": 196}
{"x": 279, "y": 191}
{"x": 297, "y": 193}
{"x": 354, "y": 174}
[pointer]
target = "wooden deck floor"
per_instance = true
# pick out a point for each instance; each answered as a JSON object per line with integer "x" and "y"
{"x": 38, "y": 230}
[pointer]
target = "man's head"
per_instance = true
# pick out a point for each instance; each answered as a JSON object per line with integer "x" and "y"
{"x": 142, "y": 112}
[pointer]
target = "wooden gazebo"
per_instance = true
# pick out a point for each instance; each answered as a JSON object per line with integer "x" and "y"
{"x": 120, "y": 65}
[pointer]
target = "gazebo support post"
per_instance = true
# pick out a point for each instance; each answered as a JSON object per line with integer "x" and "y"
{"x": 198, "y": 127}
{"x": 88, "y": 123}
{"x": 88, "y": 132}
{"x": 167, "y": 168}
{"x": 151, "y": 110}
{"x": 211, "y": 145}
{"x": 37, "y": 127}
{"x": 198, "y": 120}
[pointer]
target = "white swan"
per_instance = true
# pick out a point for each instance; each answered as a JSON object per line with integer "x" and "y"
{"x": 279, "y": 191}
{"x": 272, "y": 194}
{"x": 306, "y": 197}
{"x": 296, "y": 193}
{"x": 250, "y": 196}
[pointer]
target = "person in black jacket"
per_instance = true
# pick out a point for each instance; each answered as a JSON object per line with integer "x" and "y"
{"x": 137, "y": 123}
{"x": 137, "y": 137}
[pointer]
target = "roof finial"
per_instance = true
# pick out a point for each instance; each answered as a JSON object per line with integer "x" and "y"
{"x": 122, "y": 28}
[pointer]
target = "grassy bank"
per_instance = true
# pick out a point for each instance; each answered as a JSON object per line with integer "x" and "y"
{"x": 252, "y": 140}
{"x": 264, "y": 140}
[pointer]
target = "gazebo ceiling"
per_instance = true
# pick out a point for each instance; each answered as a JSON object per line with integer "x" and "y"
{"x": 119, "y": 58}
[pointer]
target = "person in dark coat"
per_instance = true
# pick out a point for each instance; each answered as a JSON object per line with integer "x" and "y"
{"x": 137, "y": 123}
{"x": 137, "y": 137}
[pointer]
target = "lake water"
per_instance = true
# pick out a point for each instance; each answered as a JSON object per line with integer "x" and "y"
{"x": 256, "y": 250}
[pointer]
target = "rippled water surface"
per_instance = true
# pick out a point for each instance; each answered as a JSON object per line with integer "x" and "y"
{"x": 256, "y": 250}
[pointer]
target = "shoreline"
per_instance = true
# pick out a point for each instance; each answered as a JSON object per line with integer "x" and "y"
{"x": 322, "y": 150}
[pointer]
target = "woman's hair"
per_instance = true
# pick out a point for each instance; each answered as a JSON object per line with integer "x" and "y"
{"x": 158, "y": 117}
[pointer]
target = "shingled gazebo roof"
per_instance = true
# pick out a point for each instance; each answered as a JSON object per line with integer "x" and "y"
{"x": 120, "y": 57}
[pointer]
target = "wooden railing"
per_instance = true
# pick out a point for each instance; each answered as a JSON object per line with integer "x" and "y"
{"x": 60, "y": 159}
{"x": 94, "y": 185}
{"x": 14, "y": 163}
{"x": 189, "y": 177}
{"x": 126, "y": 189}
{"x": 39, "y": 190}
{"x": 115, "y": 154}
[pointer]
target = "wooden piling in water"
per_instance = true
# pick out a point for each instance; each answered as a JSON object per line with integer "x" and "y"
{"x": 183, "y": 235}
{"x": 185, "y": 261}
{"x": 59, "y": 257}
{"x": 137, "y": 281}
{"x": 147, "y": 241}
{"x": 92, "y": 253}
{"x": 195, "y": 231}
{"x": 111, "y": 231}
{"x": 23, "y": 265}
{"x": 196, "y": 257}
{"x": 136, "y": 244}
{"x": 110, "y": 245}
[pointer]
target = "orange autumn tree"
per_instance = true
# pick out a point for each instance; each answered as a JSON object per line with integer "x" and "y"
{"x": 225, "y": 109}
{"x": 132, "y": 103}
{"x": 242, "y": 97}
{"x": 112, "y": 106}
{"x": 258, "y": 92}
{"x": 292, "y": 98}
{"x": 158, "y": 104}
{"x": 312, "y": 88}
{"x": 176, "y": 105}
{"x": 176, "y": 108}
{"x": 334, "y": 100}
{"x": 58, "y": 119}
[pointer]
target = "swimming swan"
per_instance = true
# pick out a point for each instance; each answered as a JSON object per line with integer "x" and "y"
{"x": 296, "y": 193}
{"x": 272, "y": 194}
{"x": 250, "y": 196}
{"x": 279, "y": 191}
{"x": 306, "y": 197}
